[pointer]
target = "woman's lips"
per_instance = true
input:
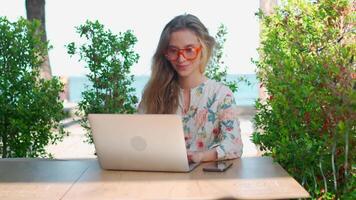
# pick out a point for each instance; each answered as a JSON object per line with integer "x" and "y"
{"x": 182, "y": 67}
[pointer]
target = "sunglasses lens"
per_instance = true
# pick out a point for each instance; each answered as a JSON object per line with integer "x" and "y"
{"x": 189, "y": 53}
{"x": 172, "y": 53}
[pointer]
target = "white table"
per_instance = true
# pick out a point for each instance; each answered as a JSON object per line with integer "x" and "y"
{"x": 248, "y": 178}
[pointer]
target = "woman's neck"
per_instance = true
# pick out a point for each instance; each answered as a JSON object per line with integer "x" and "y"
{"x": 191, "y": 82}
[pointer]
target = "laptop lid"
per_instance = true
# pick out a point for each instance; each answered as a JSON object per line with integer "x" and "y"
{"x": 139, "y": 142}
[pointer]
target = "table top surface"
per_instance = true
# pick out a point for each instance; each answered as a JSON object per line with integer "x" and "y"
{"x": 248, "y": 178}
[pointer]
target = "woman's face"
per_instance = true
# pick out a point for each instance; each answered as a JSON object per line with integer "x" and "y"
{"x": 184, "y": 52}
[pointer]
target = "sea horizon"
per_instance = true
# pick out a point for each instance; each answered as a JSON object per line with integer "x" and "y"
{"x": 245, "y": 96}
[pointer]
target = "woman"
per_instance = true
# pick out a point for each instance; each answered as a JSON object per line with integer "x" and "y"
{"x": 178, "y": 86}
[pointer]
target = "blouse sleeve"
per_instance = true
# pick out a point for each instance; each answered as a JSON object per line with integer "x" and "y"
{"x": 231, "y": 143}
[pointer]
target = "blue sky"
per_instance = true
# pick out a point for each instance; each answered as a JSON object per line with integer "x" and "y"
{"x": 146, "y": 19}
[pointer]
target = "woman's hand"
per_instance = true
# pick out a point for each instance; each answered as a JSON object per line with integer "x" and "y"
{"x": 195, "y": 156}
{"x": 202, "y": 156}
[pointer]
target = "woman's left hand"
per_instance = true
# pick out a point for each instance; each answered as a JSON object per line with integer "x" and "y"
{"x": 195, "y": 156}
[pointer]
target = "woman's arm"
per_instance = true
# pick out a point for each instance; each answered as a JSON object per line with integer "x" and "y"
{"x": 231, "y": 145}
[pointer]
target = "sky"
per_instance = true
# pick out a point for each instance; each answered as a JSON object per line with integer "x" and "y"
{"x": 146, "y": 18}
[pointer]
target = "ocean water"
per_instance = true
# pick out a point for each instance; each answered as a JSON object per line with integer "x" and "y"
{"x": 245, "y": 96}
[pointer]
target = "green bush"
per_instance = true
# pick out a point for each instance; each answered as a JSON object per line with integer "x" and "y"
{"x": 109, "y": 58}
{"x": 30, "y": 109}
{"x": 308, "y": 122}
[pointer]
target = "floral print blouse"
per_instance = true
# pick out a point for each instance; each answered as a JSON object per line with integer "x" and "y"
{"x": 211, "y": 120}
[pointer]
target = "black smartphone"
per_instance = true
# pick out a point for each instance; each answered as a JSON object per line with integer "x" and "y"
{"x": 219, "y": 166}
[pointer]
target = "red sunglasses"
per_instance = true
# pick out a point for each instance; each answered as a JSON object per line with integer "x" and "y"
{"x": 189, "y": 53}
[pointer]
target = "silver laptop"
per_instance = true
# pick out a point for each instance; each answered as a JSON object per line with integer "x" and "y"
{"x": 140, "y": 142}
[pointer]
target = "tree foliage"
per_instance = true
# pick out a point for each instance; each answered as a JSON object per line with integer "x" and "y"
{"x": 216, "y": 69}
{"x": 30, "y": 109}
{"x": 109, "y": 58}
{"x": 308, "y": 122}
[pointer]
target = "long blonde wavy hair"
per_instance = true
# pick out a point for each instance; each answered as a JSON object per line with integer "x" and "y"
{"x": 160, "y": 95}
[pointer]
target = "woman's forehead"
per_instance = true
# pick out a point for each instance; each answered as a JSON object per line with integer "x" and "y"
{"x": 183, "y": 38}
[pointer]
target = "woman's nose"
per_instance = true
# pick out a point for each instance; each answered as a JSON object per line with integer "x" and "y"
{"x": 180, "y": 58}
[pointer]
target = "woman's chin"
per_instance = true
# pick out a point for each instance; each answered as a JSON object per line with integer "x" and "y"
{"x": 183, "y": 73}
